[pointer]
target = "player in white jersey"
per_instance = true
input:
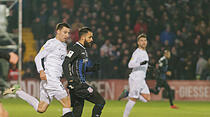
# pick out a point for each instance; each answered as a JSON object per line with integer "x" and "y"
{"x": 137, "y": 84}
{"x": 53, "y": 52}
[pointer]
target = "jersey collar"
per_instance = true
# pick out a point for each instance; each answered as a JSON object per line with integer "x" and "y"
{"x": 80, "y": 45}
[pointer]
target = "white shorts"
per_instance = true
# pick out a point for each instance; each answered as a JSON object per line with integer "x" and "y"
{"x": 137, "y": 87}
{"x": 50, "y": 89}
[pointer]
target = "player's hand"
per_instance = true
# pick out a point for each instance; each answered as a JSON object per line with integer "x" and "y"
{"x": 96, "y": 67}
{"x": 144, "y": 62}
{"x": 42, "y": 75}
{"x": 13, "y": 58}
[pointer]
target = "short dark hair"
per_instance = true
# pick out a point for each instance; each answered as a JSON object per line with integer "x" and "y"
{"x": 84, "y": 30}
{"x": 141, "y": 35}
{"x": 59, "y": 26}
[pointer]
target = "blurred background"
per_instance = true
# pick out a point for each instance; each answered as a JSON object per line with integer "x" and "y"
{"x": 182, "y": 26}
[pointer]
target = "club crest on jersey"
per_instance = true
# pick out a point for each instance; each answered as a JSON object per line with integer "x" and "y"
{"x": 90, "y": 90}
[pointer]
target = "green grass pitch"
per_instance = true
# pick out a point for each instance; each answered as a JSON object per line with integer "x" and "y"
{"x": 19, "y": 108}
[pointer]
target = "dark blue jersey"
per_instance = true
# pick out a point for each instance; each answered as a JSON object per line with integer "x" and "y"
{"x": 75, "y": 65}
{"x": 163, "y": 67}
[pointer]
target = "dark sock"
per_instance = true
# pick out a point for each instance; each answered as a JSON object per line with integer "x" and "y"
{"x": 170, "y": 99}
{"x": 69, "y": 114}
{"x": 97, "y": 110}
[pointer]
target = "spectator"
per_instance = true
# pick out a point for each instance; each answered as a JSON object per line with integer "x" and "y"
{"x": 167, "y": 36}
{"x": 206, "y": 72}
{"x": 140, "y": 27}
{"x": 105, "y": 49}
{"x": 13, "y": 73}
{"x": 200, "y": 66}
{"x": 179, "y": 27}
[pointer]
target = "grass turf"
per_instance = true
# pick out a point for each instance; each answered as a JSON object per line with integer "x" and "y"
{"x": 19, "y": 108}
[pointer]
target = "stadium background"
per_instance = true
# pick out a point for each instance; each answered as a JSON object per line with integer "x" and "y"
{"x": 182, "y": 26}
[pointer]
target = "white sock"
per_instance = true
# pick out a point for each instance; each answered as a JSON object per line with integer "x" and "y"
{"x": 66, "y": 110}
{"x": 141, "y": 98}
{"x": 128, "y": 107}
{"x": 30, "y": 99}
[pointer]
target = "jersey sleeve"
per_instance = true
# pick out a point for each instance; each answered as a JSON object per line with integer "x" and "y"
{"x": 68, "y": 61}
{"x": 134, "y": 62}
{"x": 162, "y": 65}
{"x": 44, "y": 51}
{"x": 161, "y": 62}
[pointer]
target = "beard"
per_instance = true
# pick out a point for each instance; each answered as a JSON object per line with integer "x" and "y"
{"x": 143, "y": 47}
{"x": 88, "y": 44}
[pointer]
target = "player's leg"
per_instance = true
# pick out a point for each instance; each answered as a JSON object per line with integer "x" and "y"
{"x": 98, "y": 100}
{"x": 131, "y": 102}
{"x": 23, "y": 95}
{"x": 124, "y": 94}
{"x": 61, "y": 95}
{"x": 77, "y": 104}
{"x": 157, "y": 88}
{"x": 42, "y": 106}
{"x": 133, "y": 96}
{"x": 168, "y": 89}
{"x": 67, "y": 110}
{"x": 144, "y": 93}
{"x": 45, "y": 97}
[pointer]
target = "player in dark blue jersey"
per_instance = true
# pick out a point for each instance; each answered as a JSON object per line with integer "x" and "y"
{"x": 75, "y": 68}
{"x": 161, "y": 81}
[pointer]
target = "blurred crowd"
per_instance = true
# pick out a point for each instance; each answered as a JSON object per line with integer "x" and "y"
{"x": 182, "y": 26}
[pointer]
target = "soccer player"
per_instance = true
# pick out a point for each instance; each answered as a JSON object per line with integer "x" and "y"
{"x": 53, "y": 52}
{"x": 137, "y": 84}
{"x": 161, "y": 79}
{"x": 75, "y": 69}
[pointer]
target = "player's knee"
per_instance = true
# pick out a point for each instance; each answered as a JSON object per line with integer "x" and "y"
{"x": 148, "y": 98}
{"x": 41, "y": 110}
{"x": 42, "y": 107}
{"x": 133, "y": 99}
{"x": 66, "y": 104}
{"x": 101, "y": 103}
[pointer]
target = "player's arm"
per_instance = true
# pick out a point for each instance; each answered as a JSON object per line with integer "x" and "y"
{"x": 162, "y": 63}
{"x": 135, "y": 61}
{"x": 45, "y": 50}
{"x": 68, "y": 61}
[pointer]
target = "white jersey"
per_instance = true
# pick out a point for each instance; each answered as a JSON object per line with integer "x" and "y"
{"x": 54, "y": 53}
{"x": 139, "y": 56}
